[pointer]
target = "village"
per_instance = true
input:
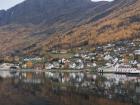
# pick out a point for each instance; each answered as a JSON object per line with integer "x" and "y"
{"x": 102, "y": 58}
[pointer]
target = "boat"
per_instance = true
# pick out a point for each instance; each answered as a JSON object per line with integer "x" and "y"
{"x": 119, "y": 69}
{"x": 127, "y": 69}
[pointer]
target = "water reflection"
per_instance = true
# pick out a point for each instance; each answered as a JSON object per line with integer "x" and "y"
{"x": 124, "y": 88}
{"x": 112, "y": 86}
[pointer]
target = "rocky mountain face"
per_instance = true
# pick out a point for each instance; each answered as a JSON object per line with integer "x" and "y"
{"x": 45, "y": 11}
{"x": 49, "y": 23}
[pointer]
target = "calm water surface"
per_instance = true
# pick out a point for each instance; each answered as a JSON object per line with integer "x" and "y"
{"x": 122, "y": 88}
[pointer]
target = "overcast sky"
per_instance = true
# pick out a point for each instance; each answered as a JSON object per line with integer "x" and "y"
{"x": 5, "y": 4}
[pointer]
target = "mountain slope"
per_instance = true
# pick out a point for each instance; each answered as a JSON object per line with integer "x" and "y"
{"x": 42, "y": 18}
{"x": 65, "y": 23}
{"x": 48, "y": 11}
{"x": 122, "y": 22}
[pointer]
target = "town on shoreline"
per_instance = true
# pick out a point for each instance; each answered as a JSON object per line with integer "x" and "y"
{"x": 118, "y": 57}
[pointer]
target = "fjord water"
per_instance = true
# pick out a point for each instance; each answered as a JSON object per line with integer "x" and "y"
{"x": 82, "y": 88}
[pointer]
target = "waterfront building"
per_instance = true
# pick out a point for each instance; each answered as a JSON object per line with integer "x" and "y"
{"x": 137, "y": 55}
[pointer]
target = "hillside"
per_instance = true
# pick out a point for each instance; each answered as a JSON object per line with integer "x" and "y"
{"x": 43, "y": 24}
{"x": 121, "y": 23}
